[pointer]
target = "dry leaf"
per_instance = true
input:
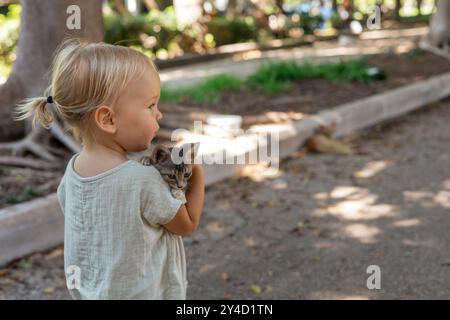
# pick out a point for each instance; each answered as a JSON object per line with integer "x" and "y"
{"x": 225, "y": 276}
{"x": 49, "y": 290}
{"x": 256, "y": 289}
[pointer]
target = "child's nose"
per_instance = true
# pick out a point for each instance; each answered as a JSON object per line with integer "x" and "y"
{"x": 159, "y": 116}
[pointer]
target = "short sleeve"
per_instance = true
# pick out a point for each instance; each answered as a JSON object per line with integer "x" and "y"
{"x": 61, "y": 193}
{"x": 158, "y": 206}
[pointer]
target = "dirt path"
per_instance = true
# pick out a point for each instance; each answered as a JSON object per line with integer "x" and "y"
{"x": 311, "y": 231}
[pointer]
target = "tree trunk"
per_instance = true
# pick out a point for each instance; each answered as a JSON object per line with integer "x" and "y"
{"x": 151, "y": 5}
{"x": 279, "y": 4}
{"x": 335, "y": 5}
{"x": 43, "y": 26}
{"x": 440, "y": 24}
{"x": 231, "y": 9}
{"x": 419, "y": 6}
{"x": 398, "y": 6}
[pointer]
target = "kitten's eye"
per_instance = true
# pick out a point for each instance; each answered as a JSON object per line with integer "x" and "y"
{"x": 171, "y": 176}
{"x": 187, "y": 175}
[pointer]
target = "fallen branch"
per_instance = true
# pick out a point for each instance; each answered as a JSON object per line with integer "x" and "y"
{"x": 27, "y": 162}
{"x": 271, "y": 117}
{"x": 424, "y": 45}
{"x": 30, "y": 143}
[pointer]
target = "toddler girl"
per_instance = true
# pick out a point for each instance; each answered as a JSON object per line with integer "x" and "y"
{"x": 123, "y": 228}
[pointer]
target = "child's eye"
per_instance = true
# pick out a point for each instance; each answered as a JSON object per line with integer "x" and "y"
{"x": 151, "y": 106}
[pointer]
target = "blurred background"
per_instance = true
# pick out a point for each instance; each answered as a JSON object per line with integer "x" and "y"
{"x": 169, "y": 29}
{"x": 374, "y": 190}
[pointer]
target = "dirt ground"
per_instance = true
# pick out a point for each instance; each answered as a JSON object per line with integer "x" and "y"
{"x": 311, "y": 96}
{"x": 311, "y": 231}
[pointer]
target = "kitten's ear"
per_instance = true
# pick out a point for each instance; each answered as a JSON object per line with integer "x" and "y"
{"x": 159, "y": 154}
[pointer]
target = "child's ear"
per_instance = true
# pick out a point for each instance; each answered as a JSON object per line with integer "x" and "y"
{"x": 159, "y": 153}
{"x": 104, "y": 118}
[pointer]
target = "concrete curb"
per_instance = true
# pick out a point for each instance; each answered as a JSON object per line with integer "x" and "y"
{"x": 30, "y": 226}
{"x": 38, "y": 224}
{"x": 176, "y": 78}
{"x": 231, "y": 50}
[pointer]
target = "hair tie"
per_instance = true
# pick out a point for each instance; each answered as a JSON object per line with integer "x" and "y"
{"x": 49, "y": 99}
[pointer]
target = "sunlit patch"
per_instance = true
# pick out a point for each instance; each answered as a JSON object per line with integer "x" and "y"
{"x": 361, "y": 209}
{"x": 430, "y": 199}
{"x": 362, "y": 232}
{"x": 343, "y": 191}
{"x": 371, "y": 169}
{"x": 324, "y": 245}
{"x": 280, "y": 185}
{"x": 403, "y": 48}
{"x": 250, "y": 242}
{"x": 259, "y": 172}
{"x": 406, "y": 223}
{"x": 443, "y": 199}
{"x": 214, "y": 227}
{"x": 207, "y": 267}
{"x": 254, "y": 54}
{"x": 337, "y": 296}
{"x": 417, "y": 195}
{"x": 321, "y": 196}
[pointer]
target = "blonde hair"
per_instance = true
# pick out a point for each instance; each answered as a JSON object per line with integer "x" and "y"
{"x": 84, "y": 76}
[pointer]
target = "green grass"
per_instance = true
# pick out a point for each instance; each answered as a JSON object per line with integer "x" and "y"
{"x": 209, "y": 90}
{"x": 414, "y": 53}
{"x": 27, "y": 194}
{"x": 270, "y": 78}
{"x": 276, "y": 77}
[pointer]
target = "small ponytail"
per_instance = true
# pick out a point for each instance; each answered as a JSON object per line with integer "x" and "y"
{"x": 38, "y": 108}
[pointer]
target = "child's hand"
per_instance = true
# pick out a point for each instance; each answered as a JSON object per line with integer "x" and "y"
{"x": 188, "y": 216}
{"x": 197, "y": 176}
{"x": 197, "y": 169}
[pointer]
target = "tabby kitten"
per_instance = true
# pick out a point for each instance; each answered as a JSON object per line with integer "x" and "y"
{"x": 175, "y": 175}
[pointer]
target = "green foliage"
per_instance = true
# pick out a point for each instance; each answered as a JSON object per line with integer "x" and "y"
{"x": 27, "y": 194}
{"x": 9, "y": 36}
{"x": 418, "y": 19}
{"x": 226, "y": 31}
{"x": 157, "y": 26}
{"x": 275, "y": 77}
{"x": 309, "y": 22}
{"x": 208, "y": 91}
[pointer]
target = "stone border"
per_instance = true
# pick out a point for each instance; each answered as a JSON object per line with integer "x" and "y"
{"x": 30, "y": 226}
{"x": 231, "y": 50}
{"x": 38, "y": 224}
